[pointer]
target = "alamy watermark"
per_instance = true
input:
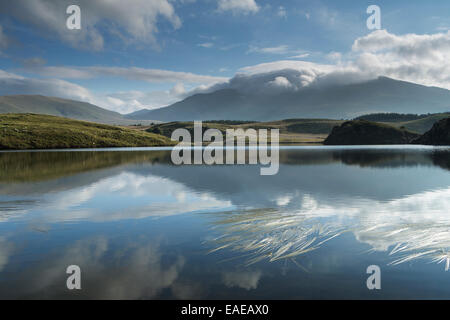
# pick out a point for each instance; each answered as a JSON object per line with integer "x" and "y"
{"x": 73, "y": 22}
{"x": 374, "y": 21}
{"x": 74, "y": 280}
{"x": 233, "y": 149}
{"x": 374, "y": 280}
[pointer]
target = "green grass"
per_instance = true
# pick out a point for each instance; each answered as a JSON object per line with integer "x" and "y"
{"x": 310, "y": 126}
{"x": 363, "y": 132}
{"x": 422, "y": 125}
{"x": 292, "y": 131}
{"x": 32, "y": 131}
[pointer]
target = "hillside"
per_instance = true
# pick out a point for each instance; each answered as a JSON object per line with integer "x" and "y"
{"x": 31, "y": 131}
{"x": 439, "y": 135}
{"x": 362, "y": 132}
{"x": 59, "y": 107}
{"x": 338, "y": 102}
{"x": 292, "y": 131}
{"x": 423, "y": 125}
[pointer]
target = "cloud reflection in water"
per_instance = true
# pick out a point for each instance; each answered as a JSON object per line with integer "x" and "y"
{"x": 413, "y": 227}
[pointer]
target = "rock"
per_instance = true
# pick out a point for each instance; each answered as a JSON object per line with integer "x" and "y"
{"x": 439, "y": 134}
{"x": 361, "y": 132}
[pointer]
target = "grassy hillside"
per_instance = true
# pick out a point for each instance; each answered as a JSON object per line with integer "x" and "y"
{"x": 362, "y": 132}
{"x": 64, "y": 108}
{"x": 31, "y": 131}
{"x": 439, "y": 135}
{"x": 58, "y": 107}
{"x": 292, "y": 131}
{"x": 423, "y": 125}
{"x": 314, "y": 126}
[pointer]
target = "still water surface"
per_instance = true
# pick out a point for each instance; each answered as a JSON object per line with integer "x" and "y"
{"x": 142, "y": 228}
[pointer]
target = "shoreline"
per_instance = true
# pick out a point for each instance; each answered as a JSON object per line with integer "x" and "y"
{"x": 281, "y": 147}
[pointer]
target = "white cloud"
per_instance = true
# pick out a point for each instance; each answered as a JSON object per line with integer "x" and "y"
{"x": 136, "y": 21}
{"x": 334, "y": 56}
{"x": 206, "y": 45}
{"x": 287, "y": 75}
{"x": 238, "y": 6}
{"x": 304, "y": 66}
{"x": 122, "y": 101}
{"x": 282, "y": 12}
{"x": 14, "y": 84}
{"x": 409, "y": 45}
{"x": 133, "y": 73}
{"x": 442, "y": 28}
{"x": 423, "y": 59}
{"x": 280, "y": 82}
{"x": 282, "y": 49}
{"x": 300, "y": 56}
{"x": 178, "y": 89}
{"x": 130, "y": 101}
{"x": 279, "y": 50}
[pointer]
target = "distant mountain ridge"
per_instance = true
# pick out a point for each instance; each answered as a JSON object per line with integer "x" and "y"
{"x": 58, "y": 107}
{"x": 382, "y": 95}
{"x": 392, "y": 117}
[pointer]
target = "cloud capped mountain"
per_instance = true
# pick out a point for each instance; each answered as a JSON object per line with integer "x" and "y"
{"x": 284, "y": 95}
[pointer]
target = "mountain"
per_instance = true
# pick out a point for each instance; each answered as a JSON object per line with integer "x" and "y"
{"x": 58, "y": 107}
{"x": 337, "y": 101}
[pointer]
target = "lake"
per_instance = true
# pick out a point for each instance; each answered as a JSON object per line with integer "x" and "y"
{"x": 141, "y": 228}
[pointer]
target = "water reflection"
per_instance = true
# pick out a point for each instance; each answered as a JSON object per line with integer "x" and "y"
{"x": 136, "y": 270}
{"x": 40, "y": 166}
{"x": 6, "y": 249}
{"x": 416, "y": 226}
{"x": 394, "y": 201}
{"x": 125, "y": 195}
{"x": 245, "y": 280}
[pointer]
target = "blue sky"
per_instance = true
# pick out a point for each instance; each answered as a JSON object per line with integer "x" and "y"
{"x": 192, "y": 43}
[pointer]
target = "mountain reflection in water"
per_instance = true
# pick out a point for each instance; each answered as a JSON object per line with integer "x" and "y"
{"x": 389, "y": 199}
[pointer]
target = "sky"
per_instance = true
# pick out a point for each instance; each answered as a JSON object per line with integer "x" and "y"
{"x": 136, "y": 54}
